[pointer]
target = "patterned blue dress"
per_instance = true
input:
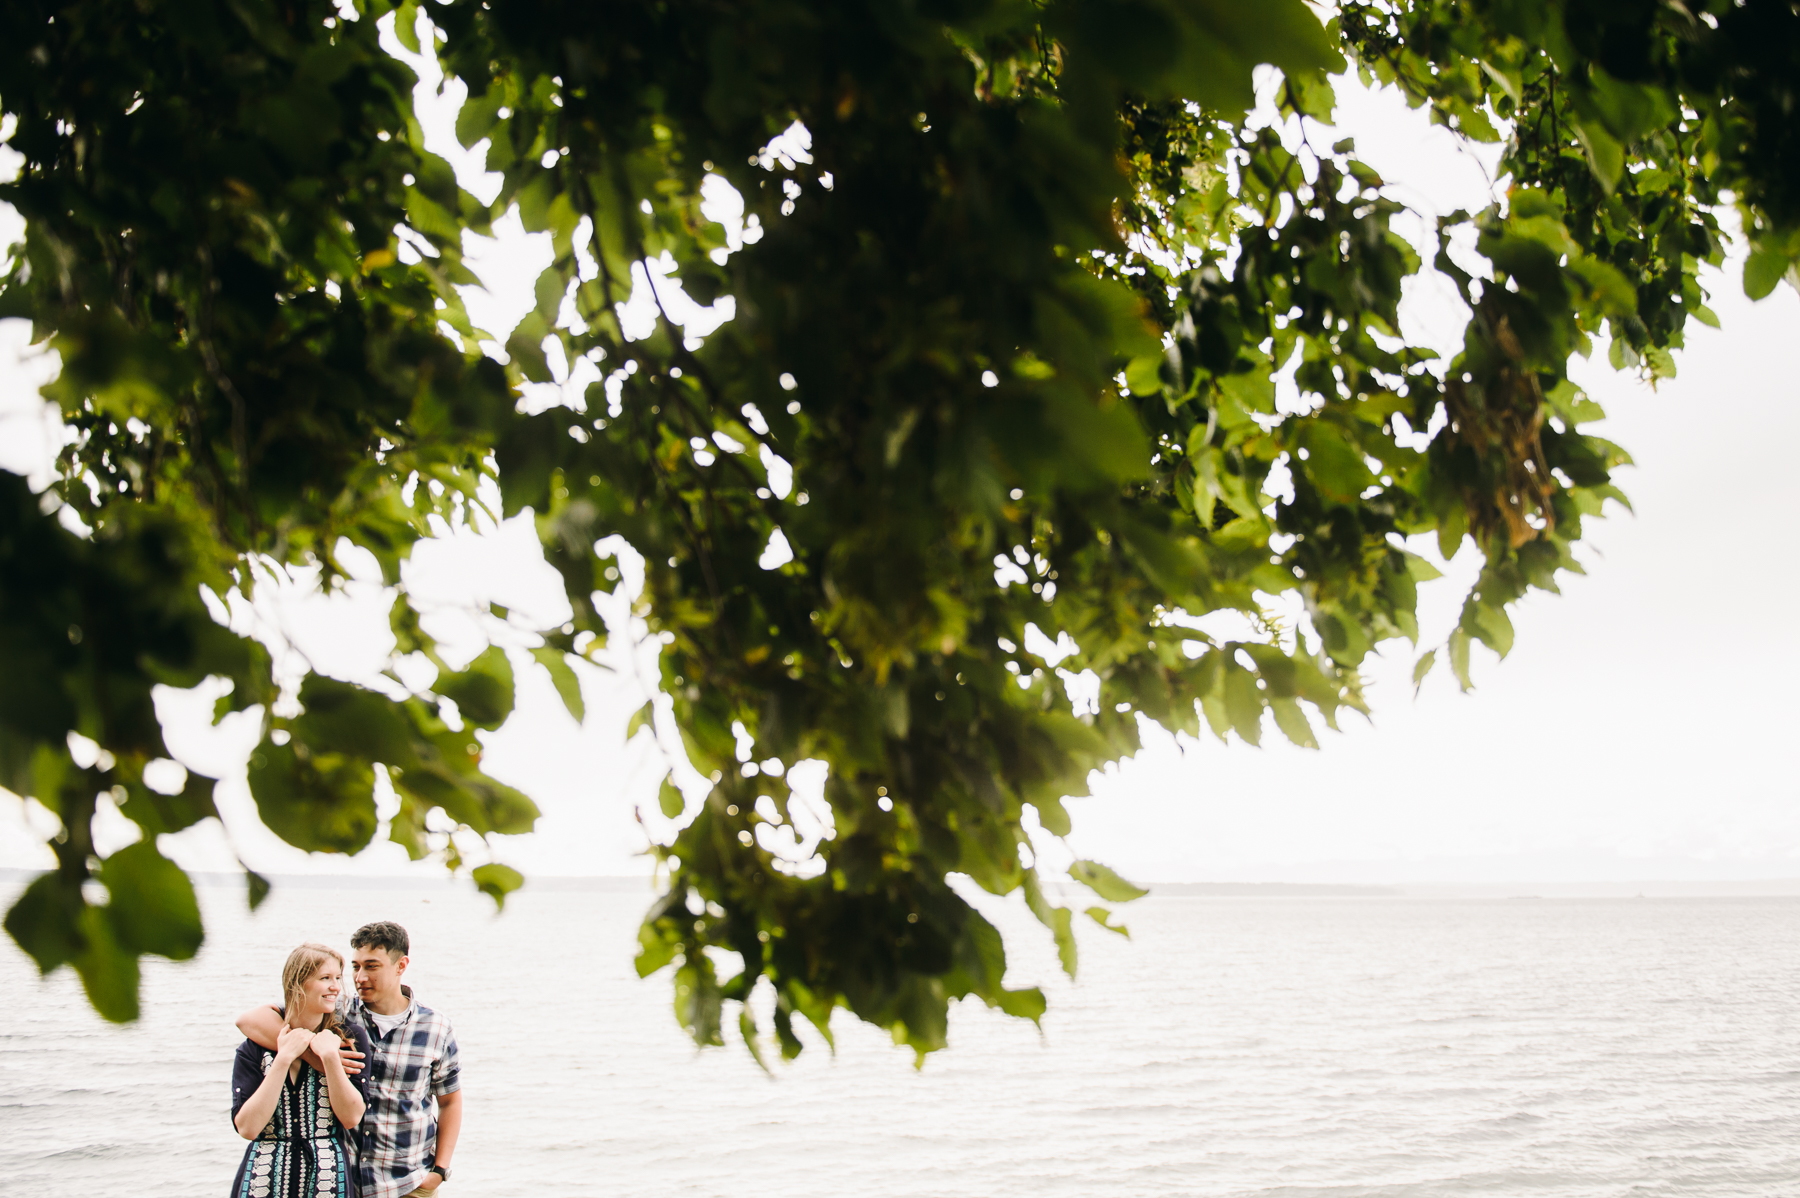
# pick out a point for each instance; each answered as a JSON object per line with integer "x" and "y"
{"x": 304, "y": 1152}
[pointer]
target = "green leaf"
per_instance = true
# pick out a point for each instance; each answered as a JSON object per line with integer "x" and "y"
{"x": 1243, "y": 702}
{"x": 747, "y": 1030}
{"x": 153, "y": 907}
{"x": 1142, "y": 376}
{"x": 1279, "y": 672}
{"x": 1104, "y": 882}
{"x": 1762, "y": 270}
{"x": 670, "y": 799}
{"x": 343, "y": 718}
{"x": 108, "y": 970}
{"x": 1315, "y": 97}
{"x": 1572, "y": 404}
{"x": 478, "y": 116}
{"x": 1053, "y": 816}
{"x": 654, "y": 950}
{"x": 1494, "y": 628}
{"x": 1217, "y": 718}
{"x": 1629, "y": 110}
{"x": 784, "y": 1029}
{"x": 1023, "y": 1004}
{"x": 643, "y": 717}
{"x": 1459, "y": 658}
{"x": 1293, "y": 722}
{"x": 1064, "y": 932}
{"x": 497, "y": 881}
{"x": 482, "y": 692}
{"x": 1334, "y": 465}
{"x": 257, "y": 887}
{"x": 158, "y": 813}
{"x": 1226, "y": 41}
{"x": 550, "y": 288}
{"x": 1620, "y": 355}
{"x": 981, "y": 957}
{"x": 525, "y": 346}
{"x": 1422, "y": 668}
{"x": 698, "y": 1002}
{"x": 46, "y": 921}
{"x": 406, "y": 24}
{"x": 1253, "y": 391}
{"x": 568, "y": 686}
{"x": 322, "y": 802}
{"x": 1453, "y": 527}
{"x": 1606, "y": 157}
{"x": 1102, "y": 916}
{"x": 1420, "y": 569}
{"x": 1110, "y": 441}
{"x": 469, "y": 797}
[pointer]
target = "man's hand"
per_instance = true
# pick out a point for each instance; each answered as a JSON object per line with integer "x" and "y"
{"x": 432, "y": 1182}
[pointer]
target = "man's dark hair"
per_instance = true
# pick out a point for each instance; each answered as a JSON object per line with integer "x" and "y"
{"x": 382, "y": 934}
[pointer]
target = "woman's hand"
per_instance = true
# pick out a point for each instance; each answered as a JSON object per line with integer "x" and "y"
{"x": 346, "y": 1103}
{"x": 292, "y": 1042}
{"x": 256, "y": 1111}
{"x": 326, "y": 1046}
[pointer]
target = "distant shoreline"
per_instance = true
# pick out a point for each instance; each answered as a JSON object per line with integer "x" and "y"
{"x": 1517, "y": 890}
{"x": 1274, "y": 890}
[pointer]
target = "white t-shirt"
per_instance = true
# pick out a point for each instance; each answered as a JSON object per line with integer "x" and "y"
{"x": 387, "y": 1023}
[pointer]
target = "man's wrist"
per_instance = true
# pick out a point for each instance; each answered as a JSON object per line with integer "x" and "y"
{"x": 442, "y": 1169}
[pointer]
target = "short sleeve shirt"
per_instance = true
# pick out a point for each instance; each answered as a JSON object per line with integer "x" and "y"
{"x": 414, "y": 1062}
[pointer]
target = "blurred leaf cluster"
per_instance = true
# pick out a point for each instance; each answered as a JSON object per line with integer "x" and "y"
{"x": 1034, "y": 333}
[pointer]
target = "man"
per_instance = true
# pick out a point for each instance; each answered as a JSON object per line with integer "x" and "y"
{"x": 404, "y": 1150}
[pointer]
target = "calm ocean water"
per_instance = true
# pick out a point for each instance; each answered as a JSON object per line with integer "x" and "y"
{"x": 1291, "y": 1047}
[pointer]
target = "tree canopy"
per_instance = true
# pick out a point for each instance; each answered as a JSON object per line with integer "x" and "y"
{"x": 1010, "y": 320}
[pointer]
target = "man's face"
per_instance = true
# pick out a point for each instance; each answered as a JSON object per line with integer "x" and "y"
{"x": 377, "y": 973}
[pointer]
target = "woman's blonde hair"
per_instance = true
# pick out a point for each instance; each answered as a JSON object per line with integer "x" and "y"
{"x": 302, "y": 963}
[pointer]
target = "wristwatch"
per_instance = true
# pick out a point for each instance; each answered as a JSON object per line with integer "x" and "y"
{"x": 442, "y": 1171}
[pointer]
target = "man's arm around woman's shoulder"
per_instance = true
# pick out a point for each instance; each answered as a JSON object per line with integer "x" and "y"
{"x": 262, "y": 1025}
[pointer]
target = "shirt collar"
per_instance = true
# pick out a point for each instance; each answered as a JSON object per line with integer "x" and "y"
{"x": 369, "y": 1013}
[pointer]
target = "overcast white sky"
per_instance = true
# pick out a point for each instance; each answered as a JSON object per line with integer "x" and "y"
{"x": 1640, "y": 728}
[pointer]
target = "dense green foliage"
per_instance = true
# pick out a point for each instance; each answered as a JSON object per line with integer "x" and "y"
{"x": 1014, "y": 320}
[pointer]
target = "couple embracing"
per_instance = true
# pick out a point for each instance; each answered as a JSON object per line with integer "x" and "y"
{"x": 335, "y": 1093}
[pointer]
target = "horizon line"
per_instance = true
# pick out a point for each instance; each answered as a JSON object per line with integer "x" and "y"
{"x": 1504, "y": 887}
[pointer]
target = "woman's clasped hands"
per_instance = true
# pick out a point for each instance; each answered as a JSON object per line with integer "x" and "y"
{"x": 293, "y": 1041}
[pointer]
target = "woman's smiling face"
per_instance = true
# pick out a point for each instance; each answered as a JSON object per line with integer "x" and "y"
{"x": 322, "y": 988}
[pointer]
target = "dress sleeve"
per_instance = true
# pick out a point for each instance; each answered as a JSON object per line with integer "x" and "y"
{"x": 246, "y": 1074}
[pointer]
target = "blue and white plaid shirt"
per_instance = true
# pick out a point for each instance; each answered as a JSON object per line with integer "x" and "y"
{"x": 411, "y": 1066}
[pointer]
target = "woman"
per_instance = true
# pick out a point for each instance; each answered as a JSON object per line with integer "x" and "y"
{"x": 300, "y": 1113}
